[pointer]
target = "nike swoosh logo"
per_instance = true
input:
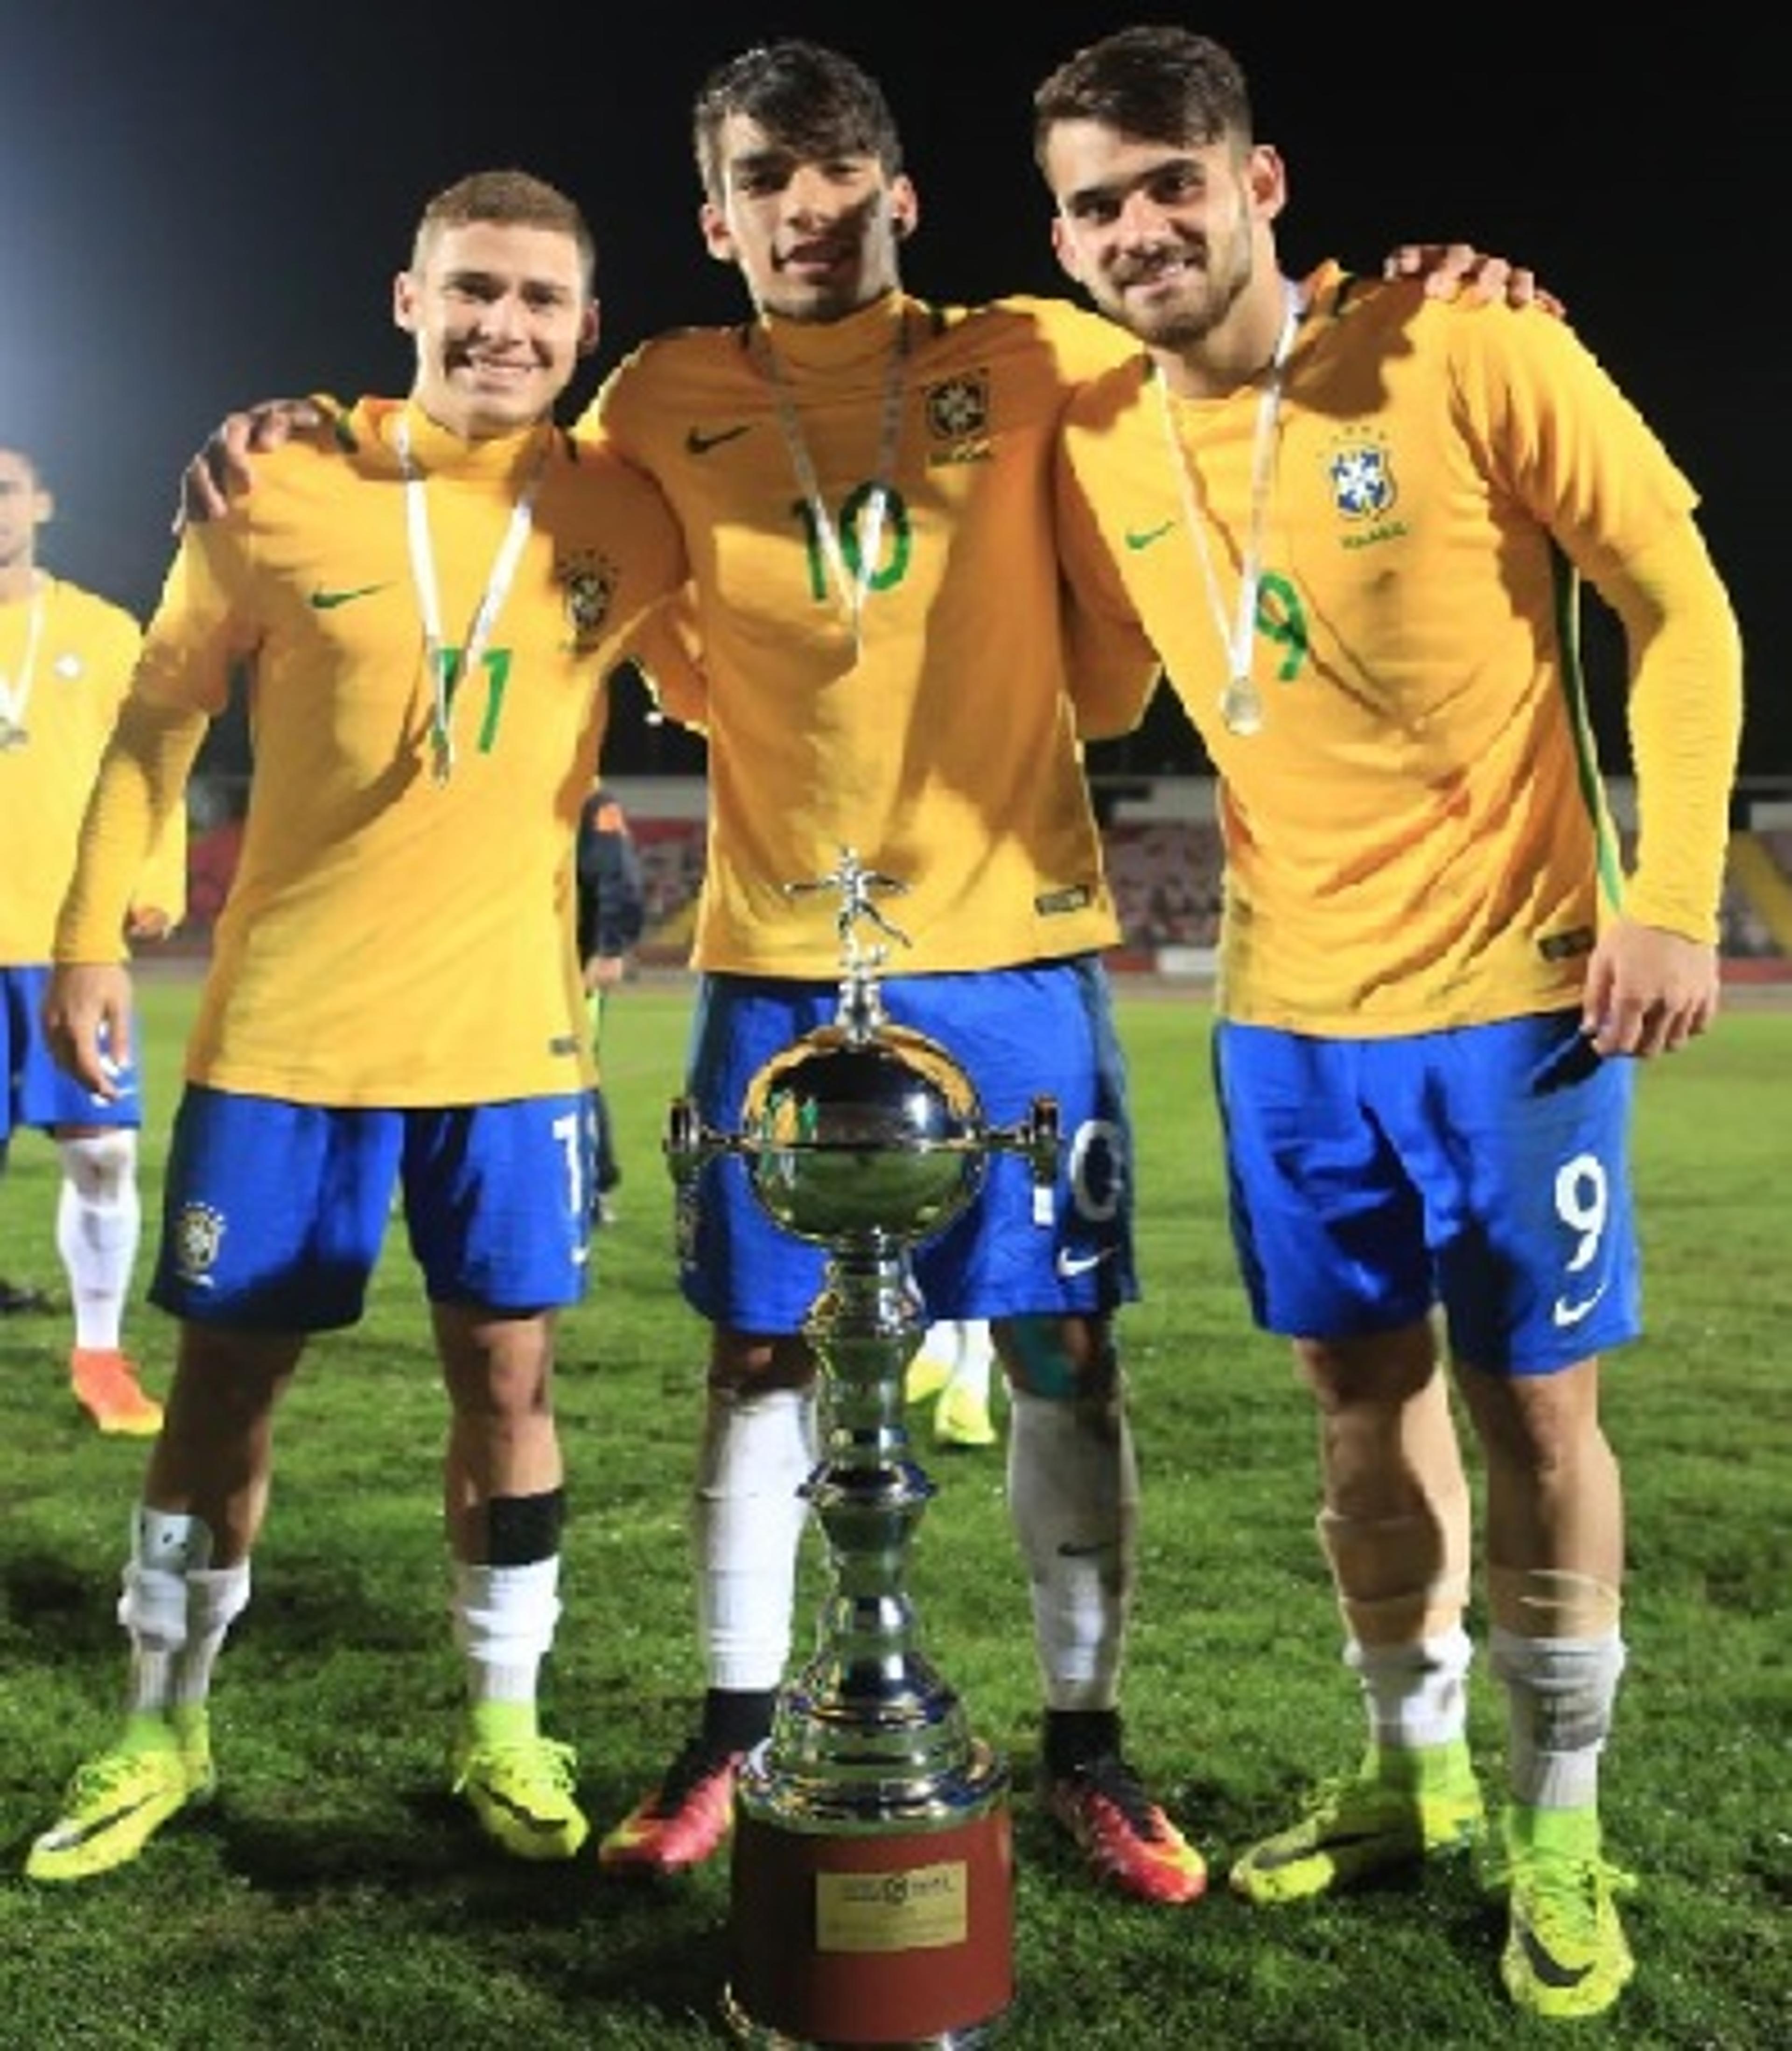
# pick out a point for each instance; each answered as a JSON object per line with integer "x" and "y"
{"x": 1142, "y": 537}
{"x": 1548, "y": 1967}
{"x": 540, "y": 1826}
{"x": 62, "y": 1840}
{"x": 1070, "y": 1265}
{"x": 327, "y": 601}
{"x": 1565, "y": 1314}
{"x": 699, "y": 444}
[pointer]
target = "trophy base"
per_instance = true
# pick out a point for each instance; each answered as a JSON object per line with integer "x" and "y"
{"x": 887, "y": 1937}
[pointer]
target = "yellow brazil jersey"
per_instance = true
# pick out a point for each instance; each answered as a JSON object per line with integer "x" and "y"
{"x": 65, "y": 663}
{"x": 1416, "y": 838}
{"x": 940, "y": 744}
{"x": 391, "y": 938}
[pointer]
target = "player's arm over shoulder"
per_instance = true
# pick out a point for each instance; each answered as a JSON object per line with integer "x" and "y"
{"x": 1112, "y": 669}
{"x": 668, "y": 652}
{"x": 222, "y": 468}
{"x": 649, "y": 397}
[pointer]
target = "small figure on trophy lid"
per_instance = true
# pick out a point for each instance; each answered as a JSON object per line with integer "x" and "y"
{"x": 862, "y": 1004}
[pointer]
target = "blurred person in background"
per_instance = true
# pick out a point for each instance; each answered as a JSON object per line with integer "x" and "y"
{"x": 66, "y": 656}
{"x": 612, "y": 913}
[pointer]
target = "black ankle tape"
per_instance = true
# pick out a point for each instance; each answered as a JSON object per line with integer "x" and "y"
{"x": 520, "y": 1530}
{"x": 1073, "y": 1736}
{"x": 735, "y": 1719}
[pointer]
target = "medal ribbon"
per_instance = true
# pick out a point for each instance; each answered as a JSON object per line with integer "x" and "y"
{"x": 15, "y": 694}
{"x": 853, "y": 590}
{"x": 429, "y": 595}
{"x": 1241, "y": 704}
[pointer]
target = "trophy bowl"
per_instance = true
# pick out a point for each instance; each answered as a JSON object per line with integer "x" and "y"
{"x": 851, "y": 1136}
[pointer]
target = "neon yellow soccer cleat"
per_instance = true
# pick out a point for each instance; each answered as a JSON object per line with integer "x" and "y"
{"x": 1367, "y": 1824}
{"x": 523, "y": 1791}
{"x": 117, "y": 1801}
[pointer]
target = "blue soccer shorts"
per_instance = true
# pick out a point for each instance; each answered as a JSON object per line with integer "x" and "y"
{"x": 1486, "y": 1168}
{"x": 1044, "y": 1030}
{"x": 37, "y": 1092}
{"x": 273, "y": 1214}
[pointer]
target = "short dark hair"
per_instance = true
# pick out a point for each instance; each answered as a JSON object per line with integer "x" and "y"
{"x": 809, "y": 99}
{"x": 1157, "y": 84}
{"x": 507, "y": 199}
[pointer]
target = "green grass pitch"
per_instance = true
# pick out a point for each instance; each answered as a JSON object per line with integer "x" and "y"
{"x": 335, "y": 1897}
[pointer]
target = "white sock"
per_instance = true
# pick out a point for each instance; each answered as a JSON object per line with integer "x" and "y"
{"x": 1073, "y": 1492}
{"x": 177, "y": 1623}
{"x": 171, "y": 1552}
{"x": 99, "y": 1220}
{"x": 1415, "y": 1694}
{"x": 1561, "y": 1693}
{"x": 504, "y": 1620}
{"x": 153, "y": 1608}
{"x": 215, "y": 1599}
{"x": 747, "y": 1522}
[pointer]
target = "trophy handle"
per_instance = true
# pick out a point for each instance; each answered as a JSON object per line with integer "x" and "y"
{"x": 689, "y": 1142}
{"x": 1036, "y": 1137}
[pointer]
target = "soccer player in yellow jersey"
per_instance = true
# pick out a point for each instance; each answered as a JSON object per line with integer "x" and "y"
{"x": 864, "y": 481}
{"x": 1352, "y": 523}
{"x": 427, "y": 610}
{"x": 65, "y": 662}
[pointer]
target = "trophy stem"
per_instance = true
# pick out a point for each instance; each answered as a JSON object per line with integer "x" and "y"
{"x": 872, "y": 1868}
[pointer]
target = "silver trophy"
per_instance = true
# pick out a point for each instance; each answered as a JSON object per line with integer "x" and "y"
{"x": 871, "y": 1879}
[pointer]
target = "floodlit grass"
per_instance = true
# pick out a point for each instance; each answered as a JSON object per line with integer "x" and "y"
{"x": 334, "y": 1895}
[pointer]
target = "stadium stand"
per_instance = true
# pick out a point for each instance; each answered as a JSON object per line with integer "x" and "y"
{"x": 1164, "y": 859}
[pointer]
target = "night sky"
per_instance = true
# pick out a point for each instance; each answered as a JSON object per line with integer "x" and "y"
{"x": 204, "y": 204}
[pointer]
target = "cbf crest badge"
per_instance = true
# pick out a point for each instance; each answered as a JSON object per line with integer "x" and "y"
{"x": 199, "y": 1237}
{"x": 589, "y": 583}
{"x": 1361, "y": 475}
{"x": 957, "y": 412}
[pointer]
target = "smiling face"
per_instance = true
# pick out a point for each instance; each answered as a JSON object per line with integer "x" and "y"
{"x": 501, "y": 314}
{"x": 1165, "y": 239}
{"x": 814, "y": 237}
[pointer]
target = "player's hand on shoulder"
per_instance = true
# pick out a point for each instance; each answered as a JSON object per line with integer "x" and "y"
{"x": 1649, "y": 991}
{"x": 146, "y": 922}
{"x": 223, "y": 469}
{"x": 1459, "y": 271}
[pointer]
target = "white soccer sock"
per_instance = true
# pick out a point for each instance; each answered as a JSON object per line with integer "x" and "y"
{"x": 1073, "y": 1492}
{"x": 177, "y": 1609}
{"x": 748, "y": 1517}
{"x": 504, "y": 1620}
{"x": 153, "y": 1608}
{"x": 99, "y": 1220}
{"x": 1415, "y": 1694}
{"x": 214, "y": 1601}
{"x": 1560, "y": 1694}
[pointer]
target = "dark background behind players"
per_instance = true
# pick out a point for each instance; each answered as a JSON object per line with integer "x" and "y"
{"x": 157, "y": 162}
